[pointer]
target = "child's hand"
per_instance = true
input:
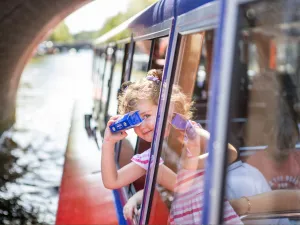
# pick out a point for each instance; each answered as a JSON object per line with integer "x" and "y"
{"x": 197, "y": 145}
{"x": 130, "y": 209}
{"x": 113, "y": 137}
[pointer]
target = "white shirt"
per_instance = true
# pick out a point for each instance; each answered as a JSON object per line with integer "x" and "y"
{"x": 245, "y": 180}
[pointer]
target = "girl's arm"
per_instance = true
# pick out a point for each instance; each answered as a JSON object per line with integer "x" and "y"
{"x": 273, "y": 201}
{"x": 166, "y": 177}
{"x": 112, "y": 178}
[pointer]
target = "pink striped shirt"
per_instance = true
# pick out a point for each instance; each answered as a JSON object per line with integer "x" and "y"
{"x": 143, "y": 159}
{"x": 188, "y": 200}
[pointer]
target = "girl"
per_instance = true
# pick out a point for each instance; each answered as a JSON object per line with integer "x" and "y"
{"x": 144, "y": 96}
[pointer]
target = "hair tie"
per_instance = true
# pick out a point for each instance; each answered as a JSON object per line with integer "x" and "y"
{"x": 152, "y": 78}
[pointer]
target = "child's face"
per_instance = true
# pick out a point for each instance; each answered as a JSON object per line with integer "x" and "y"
{"x": 147, "y": 111}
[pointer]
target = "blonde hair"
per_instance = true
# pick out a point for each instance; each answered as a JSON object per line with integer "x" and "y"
{"x": 148, "y": 88}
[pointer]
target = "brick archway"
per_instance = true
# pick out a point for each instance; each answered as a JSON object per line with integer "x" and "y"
{"x": 23, "y": 25}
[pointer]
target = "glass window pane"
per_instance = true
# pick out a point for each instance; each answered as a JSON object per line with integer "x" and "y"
{"x": 99, "y": 65}
{"x": 181, "y": 177}
{"x": 264, "y": 115}
{"x": 105, "y": 89}
{"x": 140, "y": 60}
{"x": 159, "y": 52}
{"x": 116, "y": 81}
{"x": 139, "y": 70}
{"x": 130, "y": 144}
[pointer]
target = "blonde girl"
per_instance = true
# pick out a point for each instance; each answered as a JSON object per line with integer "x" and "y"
{"x": 144, "y": 96}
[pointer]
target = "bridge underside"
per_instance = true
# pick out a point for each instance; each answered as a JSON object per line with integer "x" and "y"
{"x": 23, "y": 25}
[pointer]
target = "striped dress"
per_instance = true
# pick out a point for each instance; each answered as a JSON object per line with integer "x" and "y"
{"x": 143, "y": 159}
{"x": 188, "y": 198}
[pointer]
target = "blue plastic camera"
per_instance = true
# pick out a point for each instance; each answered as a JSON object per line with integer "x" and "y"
{"x": 129, "y": 120}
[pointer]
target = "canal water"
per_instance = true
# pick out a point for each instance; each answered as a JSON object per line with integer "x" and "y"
{"x": 32, "y": 151}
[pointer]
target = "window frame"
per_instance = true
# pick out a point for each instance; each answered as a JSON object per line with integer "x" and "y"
{"x": 200, "y": 19}
{"x": 127, "y": 70}
{"x": 98, "y": 75}
{"x": 103, "y": 105}
{"x": 223, "y": 63}
{"x": 227, "y": 40}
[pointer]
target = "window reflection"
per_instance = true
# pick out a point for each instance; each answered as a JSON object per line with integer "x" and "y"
{"x": 159, "y": 52}
{"x": 264, "y": 113}
{"x": 181, "y": 150}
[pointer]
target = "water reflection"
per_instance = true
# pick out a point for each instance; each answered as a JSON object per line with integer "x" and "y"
{"x": 32, "y": 152}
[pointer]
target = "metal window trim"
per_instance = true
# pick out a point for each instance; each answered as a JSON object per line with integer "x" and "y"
{"x": 155, "y": 147}
{"x": 203, "y": 17}
{"x": 153, "y": 42}
{"x": 110, "y": 80}
{"x": 178, "y": 31}
{"x": 159, "y": 34}
{"x": 129, "y": 62}
{"x": 155, "y": 31}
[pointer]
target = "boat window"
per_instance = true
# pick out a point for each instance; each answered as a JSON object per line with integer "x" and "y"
{"x": 116, "y": 81}
{"x": 98, "y": 71}
{"x": 159, "y": 52}
{"x": 124, "y": 60}
{"x": 264, "y": 106}
{"x": 132, "y": 144}
{"x": 98, "y": 63}
{"x": 191, "y": 77}
{"x": 108, "y": 68}
{"x": 140, "y": 60}
{"x": 159, "y": 47}
{"x": 125, "y": 148}
{"x": 141, "y": 57}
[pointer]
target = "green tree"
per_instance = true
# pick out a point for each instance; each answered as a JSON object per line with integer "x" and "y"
{"x": 134, "y": 7}
{"x": 85, "y": 36}
{"x": 61, "y": 33}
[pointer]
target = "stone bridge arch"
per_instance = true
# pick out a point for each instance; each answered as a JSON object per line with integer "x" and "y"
{"x": 23, "y": 25}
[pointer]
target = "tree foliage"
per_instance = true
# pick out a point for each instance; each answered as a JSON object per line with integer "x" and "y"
{"x": 134, "y": 7}
{"x": 61, "y": 33}
{"x": 85, "y": 35}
